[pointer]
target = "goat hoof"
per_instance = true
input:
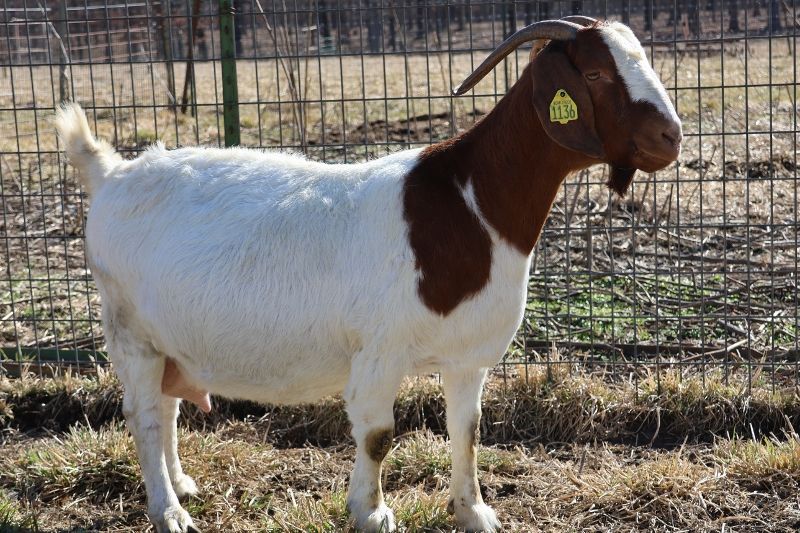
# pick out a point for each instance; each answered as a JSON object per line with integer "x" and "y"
{"x": 476, "y": 517}
{"x": 379, "y": 520}
{"x": 174, "y": 520}
{"x": 185, "y": 487}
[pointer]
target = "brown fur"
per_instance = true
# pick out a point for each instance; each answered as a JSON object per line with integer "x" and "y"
{"x": 453, "y": 251}
{"x": 515, "y": 182}
{"x": 472, "y": 448}
{"x": 516, "y": 165}
{"x": 378, "y": 443}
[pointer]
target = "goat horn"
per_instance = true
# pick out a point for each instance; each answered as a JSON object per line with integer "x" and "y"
{"x": 556, "y": 30}
{"x": 584, "y": 21}
{"x": 539, "y": 44}
{"x": 580, "y": 19}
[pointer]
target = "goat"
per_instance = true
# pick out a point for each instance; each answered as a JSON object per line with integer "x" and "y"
{"x": 265, "y": 276}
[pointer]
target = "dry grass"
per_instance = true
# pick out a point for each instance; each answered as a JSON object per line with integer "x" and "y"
{"x": 553, "y": 459}
{"x": 341, "y": 94}
{"x": 562, "y": 404}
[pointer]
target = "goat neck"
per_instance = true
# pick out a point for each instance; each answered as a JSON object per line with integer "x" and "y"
{"x": 513, "y": 166}
{"x": 501, "y": 177}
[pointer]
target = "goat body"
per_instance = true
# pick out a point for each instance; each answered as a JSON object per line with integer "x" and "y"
{"x": 275, "y": 313}
{"x": 268, "y": 277}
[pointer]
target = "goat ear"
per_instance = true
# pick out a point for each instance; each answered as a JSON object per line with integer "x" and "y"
{"x": 555, "y": 83}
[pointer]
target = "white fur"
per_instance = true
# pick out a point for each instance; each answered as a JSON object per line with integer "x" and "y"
{"x": 640, "y": 79}
{"x": 96, "y": 157}
{"x": 269, "y": 277}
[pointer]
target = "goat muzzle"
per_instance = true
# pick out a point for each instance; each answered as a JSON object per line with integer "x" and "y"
{"x": 659, "y": 145}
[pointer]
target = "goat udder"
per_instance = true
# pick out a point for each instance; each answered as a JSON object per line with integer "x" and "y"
{"x": 174, "y": 384}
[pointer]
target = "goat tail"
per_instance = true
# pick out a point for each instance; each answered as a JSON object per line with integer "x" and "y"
{"x": 93, "y": 158}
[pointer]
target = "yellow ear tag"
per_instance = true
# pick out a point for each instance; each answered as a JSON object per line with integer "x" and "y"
{"x": 563, "y": 108}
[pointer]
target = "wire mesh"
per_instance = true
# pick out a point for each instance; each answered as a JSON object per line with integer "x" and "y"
{"x": 695, "y": 270}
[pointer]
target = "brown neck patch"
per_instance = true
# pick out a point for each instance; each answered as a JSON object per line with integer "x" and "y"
{"x": 453, "y": 250}
{"x": 515, "y": 170}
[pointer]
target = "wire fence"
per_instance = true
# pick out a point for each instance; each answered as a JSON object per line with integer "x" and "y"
{"x": 695, "y": 270}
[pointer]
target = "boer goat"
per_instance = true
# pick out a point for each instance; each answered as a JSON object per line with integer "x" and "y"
{"x": 265, "y": 276}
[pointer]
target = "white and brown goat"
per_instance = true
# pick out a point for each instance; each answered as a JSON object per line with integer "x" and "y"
{"x": 265, "y": 276}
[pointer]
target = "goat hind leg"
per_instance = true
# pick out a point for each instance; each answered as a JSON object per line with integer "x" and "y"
{"x": 184, "y": 485}
{"x": 140, "y": 372}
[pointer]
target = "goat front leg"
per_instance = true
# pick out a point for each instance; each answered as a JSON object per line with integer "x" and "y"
{"x": 462, "y": 392}
{"x": 142, "y": 406}
{"x": 370, "y": 395}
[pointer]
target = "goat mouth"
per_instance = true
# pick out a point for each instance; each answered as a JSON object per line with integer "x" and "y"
{"x": 649, "y": 161}
{"x": 655, "y": 157}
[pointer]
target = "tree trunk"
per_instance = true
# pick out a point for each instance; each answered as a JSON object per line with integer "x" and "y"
{"x": 420, "y": 19}
{"x": 324, "y": 20}
{"x": 374, "y": 27}
{"x": 511, "y": 19}
{"x": 733, "y": 11}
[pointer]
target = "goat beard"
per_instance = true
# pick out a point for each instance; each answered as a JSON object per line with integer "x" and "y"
{"x": 620, "y": 179}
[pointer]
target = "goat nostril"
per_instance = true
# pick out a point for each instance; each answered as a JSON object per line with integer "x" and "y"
{"x": 673, "y": 136}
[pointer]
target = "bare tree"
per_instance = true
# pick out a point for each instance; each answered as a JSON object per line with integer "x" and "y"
{"x": 733, "y": 12}
{"x": 289, "y": 48}
{"x": 374, "y": 26}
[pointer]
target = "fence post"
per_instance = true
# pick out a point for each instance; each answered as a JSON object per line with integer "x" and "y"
{"x": 230, "y": 91}
{"x": 60, "y": 28}
{"x": 166, "y": 43}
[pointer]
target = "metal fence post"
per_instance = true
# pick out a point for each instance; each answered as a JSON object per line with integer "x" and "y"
{"x": 164, "y": 20}
{"x": 230, "y": 91}
{"x": 60, "y": 29}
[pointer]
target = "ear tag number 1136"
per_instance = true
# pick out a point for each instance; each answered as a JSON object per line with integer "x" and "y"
{"x": 563, "y": 108}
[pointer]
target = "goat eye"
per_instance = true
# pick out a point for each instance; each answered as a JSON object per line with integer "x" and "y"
{"x": 592, "y": 76}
